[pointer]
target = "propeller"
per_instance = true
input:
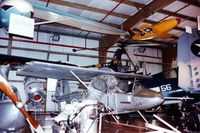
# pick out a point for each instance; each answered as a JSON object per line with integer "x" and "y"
{"x": 5, "y": 87}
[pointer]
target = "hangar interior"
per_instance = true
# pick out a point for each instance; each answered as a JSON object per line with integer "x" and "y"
{"x": 61, "y": 43}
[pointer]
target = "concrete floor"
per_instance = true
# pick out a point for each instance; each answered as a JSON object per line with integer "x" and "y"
{"x": 185, "y": 125}
{"x": 109, "y": 126}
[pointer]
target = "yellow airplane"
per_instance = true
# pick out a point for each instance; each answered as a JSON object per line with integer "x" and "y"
{"x": 158, "y": 30}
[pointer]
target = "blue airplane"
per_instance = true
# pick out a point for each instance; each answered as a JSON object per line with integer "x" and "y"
{"x": 167, "y": 83}
{"x": 24, "y": 8}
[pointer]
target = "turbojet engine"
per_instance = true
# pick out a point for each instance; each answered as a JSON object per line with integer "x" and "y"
{"x": 34, "y": 90}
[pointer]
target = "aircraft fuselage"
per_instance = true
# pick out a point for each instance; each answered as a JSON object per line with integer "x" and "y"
{"x": 156, "y": 30}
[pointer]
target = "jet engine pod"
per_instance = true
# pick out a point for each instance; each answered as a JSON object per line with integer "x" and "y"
{"x": 34, "y": 90}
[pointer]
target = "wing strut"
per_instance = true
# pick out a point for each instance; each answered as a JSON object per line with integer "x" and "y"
{"x": 80, "y": 81}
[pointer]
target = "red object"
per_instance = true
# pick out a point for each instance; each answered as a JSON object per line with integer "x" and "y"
{"x": 178, "y": 20}
{"x": 37, "y": 97}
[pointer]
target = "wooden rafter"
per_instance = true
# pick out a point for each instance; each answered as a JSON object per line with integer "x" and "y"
{"x": 192, "y": 2}
{"x": 139, "y": 5}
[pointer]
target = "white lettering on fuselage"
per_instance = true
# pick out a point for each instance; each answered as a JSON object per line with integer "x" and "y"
{"x": 166, "y": 87}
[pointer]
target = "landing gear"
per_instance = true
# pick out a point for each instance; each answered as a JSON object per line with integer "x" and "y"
{"x": 189, "y": 119}
{"x": 184, "y": 117}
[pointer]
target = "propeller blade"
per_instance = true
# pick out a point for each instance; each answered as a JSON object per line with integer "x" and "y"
{"x": 5, "y": 87}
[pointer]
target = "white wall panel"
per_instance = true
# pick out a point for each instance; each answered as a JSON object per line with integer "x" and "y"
{"x": 82, "y": 61}
{"x": 57, "y": 57}
{"x": 3, "y": 50}
{"x": 12, "y": 76}
{"x": 150, "y": 56}
{"x": 30, "y": 54}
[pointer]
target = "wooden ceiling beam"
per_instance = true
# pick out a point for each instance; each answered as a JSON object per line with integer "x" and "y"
{"x": 192, "y": 2}
{"x": 178, "y": 15}
{"x": 139, "y": 5}
{"x": 145, "y": 12}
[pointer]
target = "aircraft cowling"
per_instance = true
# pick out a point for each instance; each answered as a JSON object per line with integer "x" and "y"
{"x": 19, "y": 7}
{"x": 34, "y": 90}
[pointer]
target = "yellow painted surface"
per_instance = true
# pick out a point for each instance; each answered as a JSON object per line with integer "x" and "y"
{"x": 158, "y": 30}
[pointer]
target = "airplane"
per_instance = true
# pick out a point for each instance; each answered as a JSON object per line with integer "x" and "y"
{"x": 158, "y": 30}
{"x": 103, "y": 87}
{"x": 23, "y": 8}
{"x": 181, "y": 85}
{"x": 102, "y": 90}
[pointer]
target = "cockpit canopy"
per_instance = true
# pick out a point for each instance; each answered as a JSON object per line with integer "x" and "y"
{"x": 139, "y": 90}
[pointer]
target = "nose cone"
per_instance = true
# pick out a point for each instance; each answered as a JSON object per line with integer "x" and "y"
{"x": 158, "y": 99}
{"x": 178, "y": 20}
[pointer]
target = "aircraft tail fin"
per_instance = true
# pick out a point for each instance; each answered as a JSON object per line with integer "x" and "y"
{"x": 188, "y": 61}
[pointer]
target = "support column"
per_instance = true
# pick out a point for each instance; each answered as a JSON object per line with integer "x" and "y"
{"x": 169, "y": 56}
{"x": 9, "y": 52}
{"x": 104, "y": 44}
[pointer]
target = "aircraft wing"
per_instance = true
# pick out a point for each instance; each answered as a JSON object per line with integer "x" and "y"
{"x": 49, "y": 70}
{"x": 165, "y": 35}
{"x": 53, "y": 15}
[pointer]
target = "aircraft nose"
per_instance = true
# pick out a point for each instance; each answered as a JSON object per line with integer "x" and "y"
{"x": 178, "y": 20}
{"x": 157, "y": 100}
{"x": 160, "y": 98}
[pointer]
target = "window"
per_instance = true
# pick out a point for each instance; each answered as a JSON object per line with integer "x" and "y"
{"x": 6, "y": 7}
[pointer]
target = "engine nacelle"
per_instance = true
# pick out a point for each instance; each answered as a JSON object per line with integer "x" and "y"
{"x": 34, "y": 90}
